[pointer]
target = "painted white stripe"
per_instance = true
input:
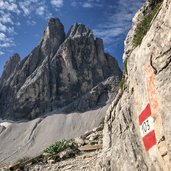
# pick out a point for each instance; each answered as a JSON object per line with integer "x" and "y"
{"x": 147, "y": 126}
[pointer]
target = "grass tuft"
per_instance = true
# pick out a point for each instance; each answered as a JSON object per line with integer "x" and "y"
{"x": 60, "y": 146}
{"x": 122, "y": 84}
{"x": 123, "y": 81}
{"x": 144, "y": 25}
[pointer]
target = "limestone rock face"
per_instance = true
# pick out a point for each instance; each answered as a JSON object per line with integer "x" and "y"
{"x": 147, "y": 82}
{"x": 97, "y": 97}
{"x": 57, "y": 72}
{"x": 53, "y": 37}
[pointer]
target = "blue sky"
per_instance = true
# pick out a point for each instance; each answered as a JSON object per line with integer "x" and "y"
{"x": 22, "y": 22}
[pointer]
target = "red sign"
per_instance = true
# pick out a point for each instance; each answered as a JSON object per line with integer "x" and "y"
{"x": 146, "y": 123}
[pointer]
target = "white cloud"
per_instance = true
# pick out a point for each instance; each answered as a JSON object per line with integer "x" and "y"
{"x": 5, "y": 5}
{"x": 1, "y": 53}
{"x": 8, "y": 9}
{"x": 5, "y": 45}
{"x": 108, "y": 35}
{"x": 87, "y": 5}
{"x": 36, "y": 7}
{"x": 57, "y": 3}
{"x": 25, "y": 7}
{"x": 6, "y": 29}
{"x": 3, "y": 27}
{"x": 117, "y": 22}
{"x": 31, "y": 22}
{"x": 6, "y": 18}
{"x": 40, "y": 11}
{"x": 5, "y": 42}
{"x": 2, "y": 36}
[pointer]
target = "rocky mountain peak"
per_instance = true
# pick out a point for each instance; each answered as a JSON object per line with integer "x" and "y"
{"x": 79, "y": 30}
{"x": 53, "y": 36}
{"x": 15, "y": 58}
{"x": 54, "y": 27}
{"x": 10, "y": 66}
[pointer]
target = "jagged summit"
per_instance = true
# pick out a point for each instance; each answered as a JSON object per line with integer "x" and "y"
{"x": 54, "y": 27}
{"x": 53, "y": 37}
{"x": 54, "y": 21}
{"x": 78, "y": 30}
{"x": 10, "y": 67}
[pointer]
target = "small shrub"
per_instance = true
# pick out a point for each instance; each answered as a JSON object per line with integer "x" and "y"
{"x": 123, "y": 81}
{"x": 60, "y": 146}
{"x": 122, "y": 84}
{"x": 125, "y": 67}
{"x": 144, "y": 25}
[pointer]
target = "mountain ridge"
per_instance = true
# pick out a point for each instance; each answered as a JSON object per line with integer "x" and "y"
{"x": 48, "y": 77}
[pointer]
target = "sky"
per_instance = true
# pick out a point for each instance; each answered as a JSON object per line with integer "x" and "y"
{"x": 22, "y": 22}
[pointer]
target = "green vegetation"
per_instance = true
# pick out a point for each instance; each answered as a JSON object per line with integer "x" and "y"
{"x": 22, "y": 160}
{"x": 125, "y": 67}
{"x": 60, "y": 146}
{"x": 109, "y": 169}
{"x": 123, "y": 81}
{"x": 122, "y": 84}
{"x": 144, "y": 25}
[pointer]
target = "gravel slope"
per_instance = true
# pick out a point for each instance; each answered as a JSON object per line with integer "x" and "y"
{"x": 30, "y": 138}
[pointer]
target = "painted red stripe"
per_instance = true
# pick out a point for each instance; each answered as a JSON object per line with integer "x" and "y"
{"x": 145, "y": 114}
{"x": 149, "y": 140}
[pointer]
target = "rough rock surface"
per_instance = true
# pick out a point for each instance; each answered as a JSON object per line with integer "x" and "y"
{"x": 99, "y": 96}
{"x": 58, "y": 71}
{"x": 82, "y": 162}
{"x": 147, "y": 82}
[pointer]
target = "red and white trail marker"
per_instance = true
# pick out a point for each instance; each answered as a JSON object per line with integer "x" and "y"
{"x": 146, "y": 123}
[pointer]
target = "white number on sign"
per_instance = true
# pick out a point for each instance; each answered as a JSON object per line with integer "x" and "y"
{"x": 145, "y": 127}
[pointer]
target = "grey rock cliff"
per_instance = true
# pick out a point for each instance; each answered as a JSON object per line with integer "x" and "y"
{"x": 57, "y": 72}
